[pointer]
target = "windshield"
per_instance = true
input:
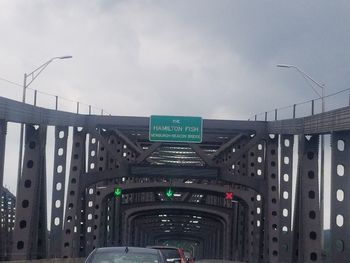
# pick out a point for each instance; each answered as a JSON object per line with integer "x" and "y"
{"x": 124, "y": 258}
{"x": 170, "y": 253}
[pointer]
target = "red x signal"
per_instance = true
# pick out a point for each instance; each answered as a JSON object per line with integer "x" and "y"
{"x": 228, "y": 195}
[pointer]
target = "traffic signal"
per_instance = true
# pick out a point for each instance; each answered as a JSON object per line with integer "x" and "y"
{"x": 117, "y": 192}
{"x": 229, "y": 196}
{"x": 169, "y": 193}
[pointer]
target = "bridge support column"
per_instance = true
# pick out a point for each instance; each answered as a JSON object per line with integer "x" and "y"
{"x": 257, "y": 238}
{"x": 3, "y": 229}
{"x": 58, "y": 191}
{"x": 71, "y": 239}
{"x": 241, "y": 232}
{"x": 124, "y": 230}
{"x": 255, "y": 164}
{"x": 285, "y": 197}
{"x": 102, "y": 229}
{"x": 213, "y": 246}
{"x": 29, "y": 239}
{"x": 117, "y": 219}
{"x": 307, "y": 211}
{"x": 250, "y": 233}
{"x": 271, "y": 200}
{"x": 110, "y": 220}
{"x": 218, "y": 243}
{"x": 91, "y": 206}
{"x": 233, "y": 247}
{"x": 136, "y": 236}
{"x": 3, "y": 131}
{"x": 141, "y": 239}
{"x": 340, "y": 198}
{"x": 228, "y": 238}
{"x": 101, "y": 203}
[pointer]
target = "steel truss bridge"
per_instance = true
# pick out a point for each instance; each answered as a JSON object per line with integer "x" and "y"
{"x": 252, "y": 159}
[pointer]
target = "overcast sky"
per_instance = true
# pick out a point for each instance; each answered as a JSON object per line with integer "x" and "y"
{"x": 214, "y": 59}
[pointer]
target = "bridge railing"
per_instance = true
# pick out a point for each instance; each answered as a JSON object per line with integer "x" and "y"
{"x": 47, "y": 100}
{"x": 306, "y": 108}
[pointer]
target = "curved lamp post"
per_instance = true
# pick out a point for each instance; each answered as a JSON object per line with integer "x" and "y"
{"x": 33, "y": 75}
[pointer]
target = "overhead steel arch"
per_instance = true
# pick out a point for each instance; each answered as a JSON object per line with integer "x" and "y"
{"x": 243, "y": 194}
{"x": 182, "y": 228}
{"x": 221, "y": 214}
{"x": 107, "y": 192}
{"x": 92, "y": 178}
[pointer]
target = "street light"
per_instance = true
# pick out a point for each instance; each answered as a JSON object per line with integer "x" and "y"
{"x": 322, "y": 95}
{"x": 307, "y": 78}
{"x": 34, "y": 74}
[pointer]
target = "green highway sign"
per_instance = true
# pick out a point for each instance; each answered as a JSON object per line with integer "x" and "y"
{"x": 175, "y": 129}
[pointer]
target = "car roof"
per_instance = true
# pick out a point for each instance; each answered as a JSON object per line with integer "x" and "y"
{"x": 164, "y": 247}
{"x": 130, "y": 249}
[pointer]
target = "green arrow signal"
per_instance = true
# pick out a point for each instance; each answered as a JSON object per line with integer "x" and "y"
{"x": 117, "y": 192}
{"x": 169, "y": 193}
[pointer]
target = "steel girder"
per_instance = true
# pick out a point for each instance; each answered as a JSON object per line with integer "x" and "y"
{"x": 214, "y": 152}
{"x": 285, "y": 200}
{"x": 327, "y": 122}
{"x": 29, "y": 239}
{"x": 111, "y": 174}
{"x": 272, "y": 201}
{"x": 90, "y": 193}
{"x": 58, "y": 193}
{"x": 307, "y": 228}
{"x": 340, "y": 209}
{"x": 72, "y": 226}
{"x": 3, "y": 130}
{"x": 243, "y": 194}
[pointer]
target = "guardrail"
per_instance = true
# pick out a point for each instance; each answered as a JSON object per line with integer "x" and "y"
{"x": 306, "y": 108}
{"x": 47, "y": 100}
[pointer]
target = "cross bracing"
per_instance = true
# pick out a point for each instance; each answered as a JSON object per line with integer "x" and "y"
{"x": 254, "y": 160}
